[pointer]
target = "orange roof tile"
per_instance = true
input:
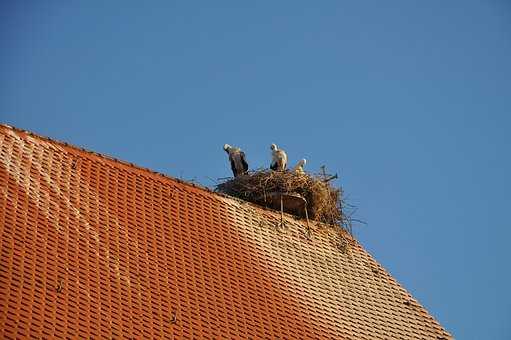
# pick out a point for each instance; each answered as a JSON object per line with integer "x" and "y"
{"x": 94, "y": 247}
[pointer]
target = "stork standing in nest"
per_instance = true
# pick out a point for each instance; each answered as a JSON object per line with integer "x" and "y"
{"x": 239, "y": 165}
{"x": 298, "y": 169}
{"x": 278, "y": 159}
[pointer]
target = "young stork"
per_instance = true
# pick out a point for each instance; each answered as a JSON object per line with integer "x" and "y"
{"x": 239, "y": 165}
{"x": 299, "y": 167}
{"x": 278, "y": 159}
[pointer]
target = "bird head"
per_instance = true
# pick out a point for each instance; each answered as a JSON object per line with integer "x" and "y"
{"x": 302, "y": 162}
{"x": 273, "y": 147}
{"x": 227, "y": 147}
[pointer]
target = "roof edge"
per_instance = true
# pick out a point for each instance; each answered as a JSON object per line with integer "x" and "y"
{"x": 144, "y": 169}
{"x": 111, "y": 158}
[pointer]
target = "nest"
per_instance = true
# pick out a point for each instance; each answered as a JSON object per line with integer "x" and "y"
{"x": 323, "y": 202}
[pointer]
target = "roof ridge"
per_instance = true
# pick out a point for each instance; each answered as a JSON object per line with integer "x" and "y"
{"x": 110, "y": 158}
{"x": 148, "y": 170}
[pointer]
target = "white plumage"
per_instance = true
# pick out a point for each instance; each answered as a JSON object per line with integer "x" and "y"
{"x": 278, "y": 159}
{"x": 239, "y": 165}
{"x": 299, "y": 167}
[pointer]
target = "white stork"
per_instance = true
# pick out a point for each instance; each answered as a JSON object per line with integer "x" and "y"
{"x": 278, "y": 159}
{"x": 239, "y": 165}
{"x": 299, "y": 167}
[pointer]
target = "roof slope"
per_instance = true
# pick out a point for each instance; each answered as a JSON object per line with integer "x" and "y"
{"x": 94, "y": 247}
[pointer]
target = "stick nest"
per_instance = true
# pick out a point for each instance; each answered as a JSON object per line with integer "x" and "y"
{"x": 324, "y": 202}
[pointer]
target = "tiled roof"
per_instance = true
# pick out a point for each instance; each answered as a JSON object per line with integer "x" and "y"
{"x": 97, "y": 248}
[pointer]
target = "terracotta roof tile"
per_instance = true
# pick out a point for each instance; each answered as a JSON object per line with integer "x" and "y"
{"x": 95, "y": 247}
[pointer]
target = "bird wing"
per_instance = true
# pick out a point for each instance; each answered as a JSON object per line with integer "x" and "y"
{"x": 274, "y": 159}
{"x": 244, "y": 161}
{"x": 233, "y": 166}
{"x": 280, "y": 164}
{"x": 283, "y": 159}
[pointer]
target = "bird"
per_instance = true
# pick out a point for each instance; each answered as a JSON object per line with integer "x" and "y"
{"x": 239, "y": 165}
{"x": 299, "y": 166}
{"x": 278, "y": 159}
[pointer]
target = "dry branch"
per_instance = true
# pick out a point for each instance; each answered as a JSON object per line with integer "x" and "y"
{"x": 324, "y": 202}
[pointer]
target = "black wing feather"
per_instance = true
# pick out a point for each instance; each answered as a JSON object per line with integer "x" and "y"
{"x": 244, "y": 161}
{"x": 233, "y": 167}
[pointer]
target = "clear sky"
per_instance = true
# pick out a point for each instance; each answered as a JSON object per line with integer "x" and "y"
{"x": 409, "y": 101}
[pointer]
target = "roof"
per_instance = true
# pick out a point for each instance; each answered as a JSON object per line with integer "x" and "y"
{"x": 95, "y": 247}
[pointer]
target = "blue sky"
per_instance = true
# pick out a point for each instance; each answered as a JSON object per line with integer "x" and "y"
{"x": 408, "y": 101}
